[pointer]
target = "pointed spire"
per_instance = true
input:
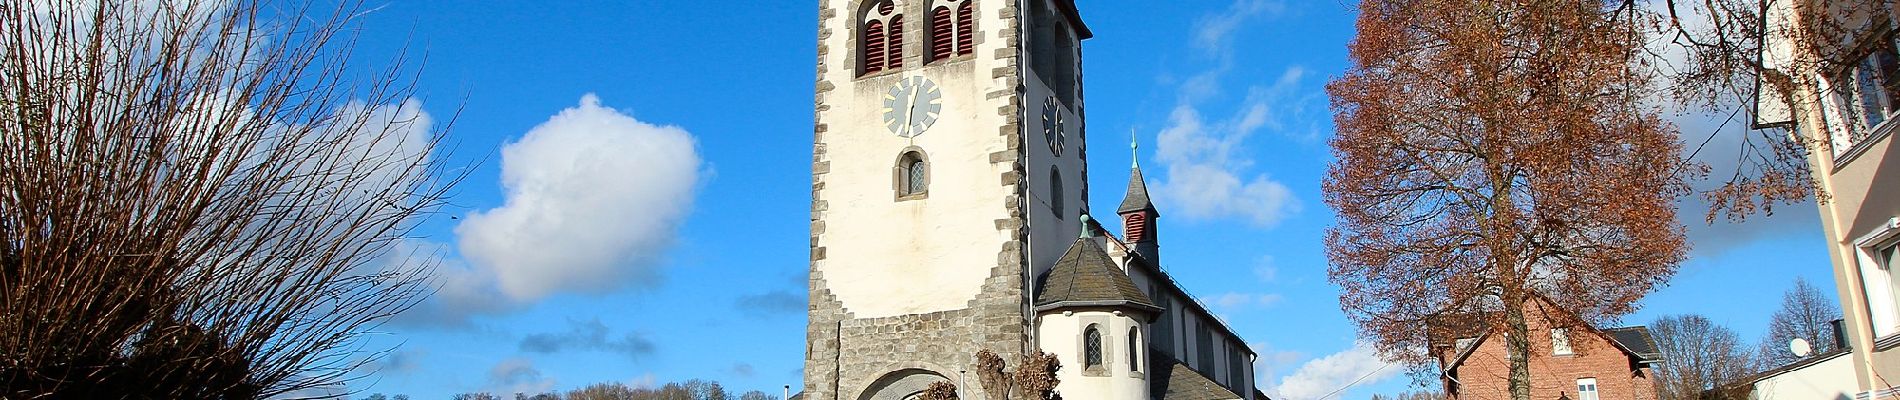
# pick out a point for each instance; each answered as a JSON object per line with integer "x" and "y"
{"x": 1137, "y": 197}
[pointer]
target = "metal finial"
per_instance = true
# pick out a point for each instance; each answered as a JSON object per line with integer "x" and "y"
{"x": 1134, "y": 147}
{"x": 1085, "y": 227}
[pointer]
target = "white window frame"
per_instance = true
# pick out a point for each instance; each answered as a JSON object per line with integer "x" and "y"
{"x": 1594, "y": 392}
{"x": 1848, "y": 130}
{"x": 1560, "y": 342}
{"x": 1878, "y": 284}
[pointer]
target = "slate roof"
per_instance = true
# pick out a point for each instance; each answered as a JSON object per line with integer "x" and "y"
{"x": 1170, "y": 379}
{"x": 1637, "y": 340}
{"x": 1137, "y": 197}
{"x": 1085, "y": 276}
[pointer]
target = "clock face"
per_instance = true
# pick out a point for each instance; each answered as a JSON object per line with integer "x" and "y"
{"x": 1052, "y": 126}
{"x": 912, "y": 105}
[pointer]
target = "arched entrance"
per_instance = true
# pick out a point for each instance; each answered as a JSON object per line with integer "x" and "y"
{"x": 906, "y": 384}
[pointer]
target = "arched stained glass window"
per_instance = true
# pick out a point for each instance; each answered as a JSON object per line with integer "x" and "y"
{"x": 1092, "y": 347}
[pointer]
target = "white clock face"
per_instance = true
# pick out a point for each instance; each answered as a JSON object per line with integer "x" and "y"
{"x": 912, "y": 105}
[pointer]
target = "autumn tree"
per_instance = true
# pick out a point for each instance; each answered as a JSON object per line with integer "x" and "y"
{"x": 1489, "y": 152}
{"x": 200, "y": 199}
{"x": 1806, "y": 314}
{"x": 1699, "y": 355}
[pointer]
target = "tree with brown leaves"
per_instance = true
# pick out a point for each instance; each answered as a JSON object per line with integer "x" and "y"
{"x": 198, "y": 201}
{"x": 1490, "y": 152}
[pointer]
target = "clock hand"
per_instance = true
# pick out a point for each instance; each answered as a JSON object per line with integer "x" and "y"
{"x": 910, "y": 117}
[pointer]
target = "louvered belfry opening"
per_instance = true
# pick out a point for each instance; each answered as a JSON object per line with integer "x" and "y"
{"x": 1136, "y": 227}
{"x": 882, "y": 35}
{"x": 894, "y": 45}
{"x": 966, "y": 29}
{"x": 942, "y": 39}
{"x": 873, "y": 47}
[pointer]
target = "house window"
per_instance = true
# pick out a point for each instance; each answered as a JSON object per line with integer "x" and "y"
{"x": 1134, "y": 349}
{"x": 1868, "y": 93}
{"x": 1560, "y": 341}
{"x": 881, "y": 38}
{"x": 912, "y": 172}
{"x": 1587, "y": 389}
{"x": 1092, "y": 347}
{"x": 1055, "y": 192}
{"x": 1879, "y": 278}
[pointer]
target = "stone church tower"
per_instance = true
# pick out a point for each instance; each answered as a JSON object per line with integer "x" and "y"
{"x": 947, "y": 173}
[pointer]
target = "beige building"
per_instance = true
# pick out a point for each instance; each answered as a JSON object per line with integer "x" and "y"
{"x": 1841, "y": 57}
{"x": 949, "y": 216}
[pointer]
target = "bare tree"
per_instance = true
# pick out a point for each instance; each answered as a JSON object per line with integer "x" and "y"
{"x": 1713, "y": 55}
{"x": 1490, "y": 152}
{"x": 1700, "y": 355}
{"x": 1034, "y": 379}
{"x": 939, "y": 391}
{"x": 191, "y": 205}
{"x": 1805, "y": 313}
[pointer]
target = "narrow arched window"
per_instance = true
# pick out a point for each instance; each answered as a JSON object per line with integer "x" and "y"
{"x": 1134, "y": 349}
{"x": 894, "y": 47}
{"x": 911, "y": 174}
{"x": 1055, "y": 192}
{"x": 1092, "y": 347}
{"x": 966, "y": 28}
{"x": 943, "y": 40}
{"x": 881, "y": 40}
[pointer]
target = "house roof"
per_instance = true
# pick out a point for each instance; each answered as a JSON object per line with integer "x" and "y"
{"x": 1170, "y": 379}
{"x": 1086, "y": 277}
{"x": 1637, "y": 341}
{"x": 1137, "y": 197}
{"x": 1634, "y": 341}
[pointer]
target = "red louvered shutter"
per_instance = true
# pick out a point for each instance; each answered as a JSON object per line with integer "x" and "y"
{"x": 884, "y": 8}
{"x": 1137, "y": 227}
{"x": 942, "y": 43}
{"x": 894, "y": 48}
{"x": 873, "y": 47}
{"x": 966, "y": 29}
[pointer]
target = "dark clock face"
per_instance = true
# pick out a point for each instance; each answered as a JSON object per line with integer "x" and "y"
{"x": 912, "y": 105}
{"x": 1052, "y": 126}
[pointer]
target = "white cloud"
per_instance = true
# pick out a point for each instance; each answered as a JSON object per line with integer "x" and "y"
{"x": 1330, "y": 375}
{"x": 518, "y": 375}
{"x": 1213, "y": 31}
{"x": 593, "y": 197}
{"x": 1204, "y": 172}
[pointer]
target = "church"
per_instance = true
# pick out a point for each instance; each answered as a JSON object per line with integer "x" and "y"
{"x": 949, "y": 215}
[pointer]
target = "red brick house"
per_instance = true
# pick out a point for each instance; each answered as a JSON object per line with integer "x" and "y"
{"x": 1570, "y": 363}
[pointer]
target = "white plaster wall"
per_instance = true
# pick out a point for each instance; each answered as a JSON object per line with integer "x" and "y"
{"x": 885, "y": 257}
{"x": 1828, "y": 380}
{"x": 1061, "y": 335}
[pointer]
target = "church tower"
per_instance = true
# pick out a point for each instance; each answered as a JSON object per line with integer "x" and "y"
{"x": 947, "y": 175}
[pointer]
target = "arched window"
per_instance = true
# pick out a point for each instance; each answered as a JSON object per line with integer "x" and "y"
{"x": 1092, "y": 347}
{"x": 881, "y": 38}
{"x": 1055, "y": 192}
{"x": 942, "y": 34}
{"x": 1134, "y": 349}
{"x": 952, "y": 28}
{"x": 966, "y": 28}
{"x": 912, "y": 174}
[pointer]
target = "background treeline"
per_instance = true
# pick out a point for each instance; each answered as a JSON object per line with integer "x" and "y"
{"x": 695, "y": 389}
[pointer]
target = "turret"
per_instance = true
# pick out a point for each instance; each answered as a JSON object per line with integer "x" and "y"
{"x": 1138, "y": 218}
{"x": 1090, "y": 314}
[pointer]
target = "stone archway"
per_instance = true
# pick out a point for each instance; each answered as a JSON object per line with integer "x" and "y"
{"x": 905, "y": 384}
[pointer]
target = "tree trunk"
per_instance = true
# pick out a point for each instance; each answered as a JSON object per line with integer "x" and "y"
{"x": 1518, "y": 345}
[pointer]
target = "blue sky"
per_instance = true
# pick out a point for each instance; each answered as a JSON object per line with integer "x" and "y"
{"x": 641, "y": 212}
